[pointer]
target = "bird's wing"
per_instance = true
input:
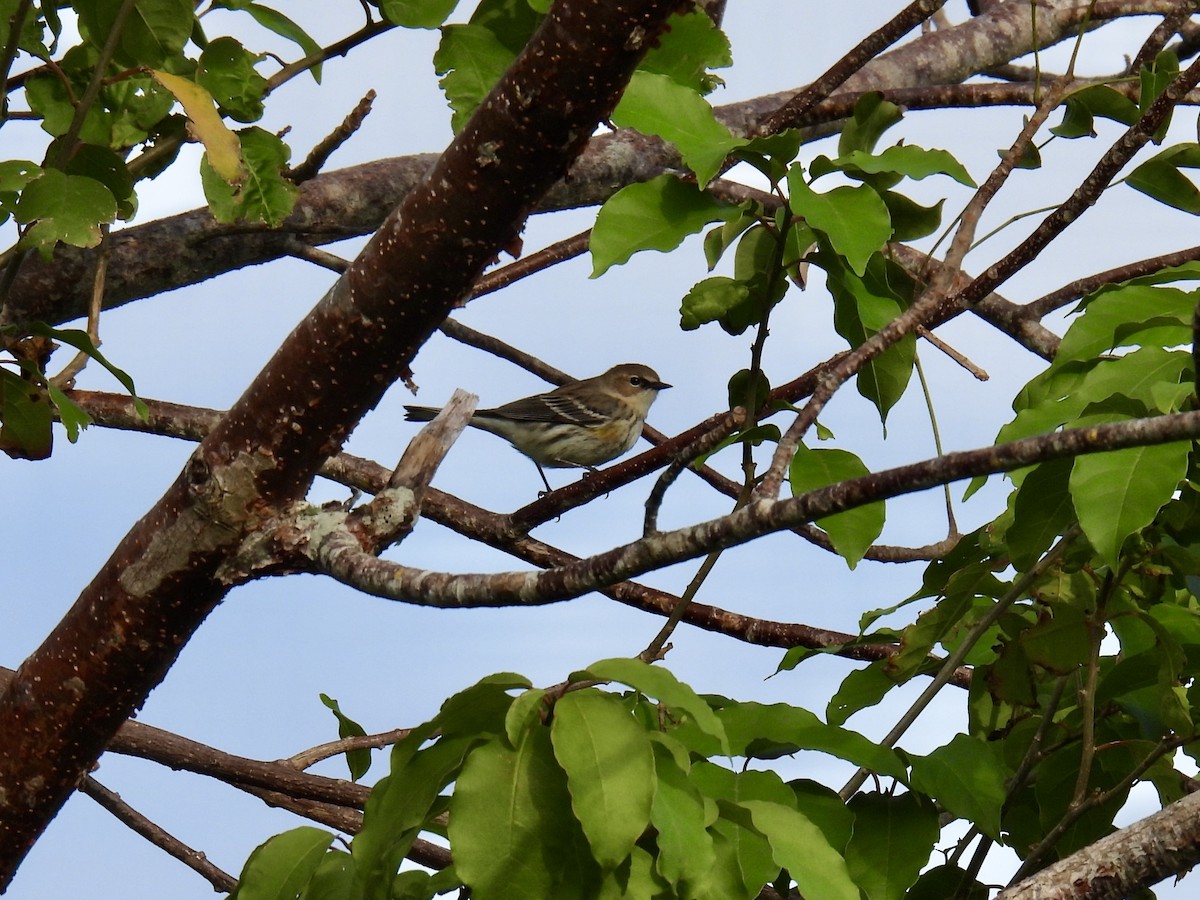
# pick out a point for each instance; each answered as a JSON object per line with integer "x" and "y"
{"x": 550, "y": 408}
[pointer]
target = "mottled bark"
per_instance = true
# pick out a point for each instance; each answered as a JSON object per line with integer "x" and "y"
{"x": 122, "y": 635}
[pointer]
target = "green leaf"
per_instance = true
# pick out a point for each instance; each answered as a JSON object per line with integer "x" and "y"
{"x": 967, "y": 776}
{"x": 482, "y": 708}
{"x": 333, "y": 879}
{"x": 691, "y": 45}
{"x": 265, "y": 195}
{"x": 1128, "y": 315}
{"x": 679, "y": 814}
{"x": 1159, "y": 177}
{"x": 635, "y": 879}
{"x": 771, "y": 154}
{"x": 1098, "y": 100}
{"x": 49, "y": 98}
{"x": 1119, "y": 492}
{"x": 656, "y": 105}
{"x": 855, "y": 219}
{"x": 1061, "y": 643}
{"x": 26, "y": 421}
{"x": 908, "y": 160}
{"x": 1042, "y": 511}
{"x": 522, "y": 713}
{"x": 71, "y": 414}
{"x": 78, "y": 339}
{"x": 400, "y": 804}
{"x": 141, "y": 108}
{"x": 872, "y": 117}
{"x": 470, "y": 59}
{"x": 14, "y": 175}
{"x": 911, "y": 220}
{"x": 154, "y": 32}
{"x": 610, "y": 770}
{"x": 861, "y": 688}
{"x": 893, "y": 838}
{"x": 718, "y": 299}
{"x": 788, "y": 729}
{"x": 719, "y": 239}
{"x": 227, "y": 71}
{"x": 800, "y": 847}
{"x": 854, "y": 531}
{"x": 1060, "y": 395}
{"x": 825, "y": 809}
{"x": 107, "y": 167}
{"x": 67, "y": 208}
{"x": 657, "y": 682}
{"x": 511, "y": 824}
{"x": 281, "y": 25}
{"x": 748, "y": 389}
{"x": 1154, "y": 79}
{"x": 863, "y": 306}
{"x": 358, "y": 761}
{"x": 1030, "y": 158}
{"x": 727, "y": 880}
{"x": 745, "y": 857}
{"x": 417, "y": 13}
{"x": 652, "y": 215}
{"x": 945, "y": 881}
{"x": 282, "y": 866}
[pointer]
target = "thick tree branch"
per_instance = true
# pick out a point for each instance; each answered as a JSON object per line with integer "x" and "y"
{"x": 340, "y": 557}
{"x": 1156, "y": 847}
{"x": 127, "y": 627}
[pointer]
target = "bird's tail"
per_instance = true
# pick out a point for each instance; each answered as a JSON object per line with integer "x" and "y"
{"x": 420, "y": 413}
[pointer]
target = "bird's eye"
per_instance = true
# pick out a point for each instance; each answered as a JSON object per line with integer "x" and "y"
{"x": 635, "y": 380}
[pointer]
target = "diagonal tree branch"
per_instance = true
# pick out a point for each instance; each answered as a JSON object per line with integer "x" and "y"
{"x": 126, "y": 629}
{"x": 338, "y": 554}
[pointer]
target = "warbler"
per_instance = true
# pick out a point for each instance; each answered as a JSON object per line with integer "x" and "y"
{"x": 585, "y": 423}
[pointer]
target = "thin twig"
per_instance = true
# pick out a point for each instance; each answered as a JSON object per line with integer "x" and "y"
{"x": 195, "y": 860}
{"x": 1123, "y": 149}
{"x": 1018, "y": 590}
{"x": 317, "y": 256}
{"x": 949, "y": 351}
{"x": 16, "y": 25}
{"x": 66, "y": 378}
{"x": 337, "y": 48}
{"x": 319, "y": 155}
{"x": 313, "y": 755}
{"x": 560, "y": 251}
{"x": 700, "y": 446}
{"x": 951, "y": 524}
{"x": 1157, "y": 39}
{"x": 1081, "y": 287}
{"x": 792, "y": 113}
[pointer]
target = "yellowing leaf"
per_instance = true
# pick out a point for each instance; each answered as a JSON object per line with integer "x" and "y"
{"x": 224, "y": 151}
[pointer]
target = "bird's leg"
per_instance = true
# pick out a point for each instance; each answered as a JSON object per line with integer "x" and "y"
{"x": 543, "y": 474}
